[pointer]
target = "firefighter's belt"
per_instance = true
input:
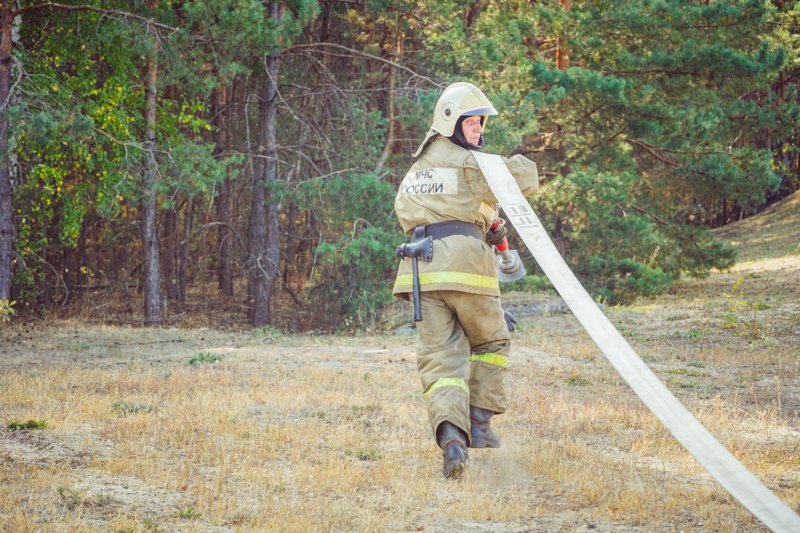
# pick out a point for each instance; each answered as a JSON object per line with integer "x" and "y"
{"x": 440, "y": 230}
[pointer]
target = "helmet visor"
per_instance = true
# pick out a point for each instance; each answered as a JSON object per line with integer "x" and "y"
{"x": 480, "y": 111}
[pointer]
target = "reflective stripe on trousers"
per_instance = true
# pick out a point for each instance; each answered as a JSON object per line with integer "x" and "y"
{"x": 446, "y": 382}
{"x": 490, "y": 359}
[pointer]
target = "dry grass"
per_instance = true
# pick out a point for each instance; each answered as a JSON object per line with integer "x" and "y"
{"x": 271, "y": 432}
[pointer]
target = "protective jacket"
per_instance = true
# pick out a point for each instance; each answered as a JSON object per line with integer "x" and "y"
{"x": 445, "y": 183}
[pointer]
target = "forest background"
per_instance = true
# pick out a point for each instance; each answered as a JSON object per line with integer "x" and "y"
{"x": 223, "y": 155}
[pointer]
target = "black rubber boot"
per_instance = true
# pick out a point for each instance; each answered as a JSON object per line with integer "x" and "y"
{"x": 481, "y": 431}
{"x": 453, "y": 442}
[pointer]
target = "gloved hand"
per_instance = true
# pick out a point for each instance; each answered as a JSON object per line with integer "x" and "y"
{"x": 511, "y": 320}
{"x": 497, "y": 232}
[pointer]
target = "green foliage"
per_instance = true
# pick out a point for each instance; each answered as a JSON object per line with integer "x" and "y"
{"x": 742, "y": 317}
{"x": 79, "y": 137}
{"x": 70, "y": 134}
{"x": 150, "y": 524}
{"x": 30, "y": 424}
{"x": 693, "y": 334}
{"x": 671, "y": 116}
{"x": 7, "y": 310}
{"x": 359, "y": 257}
{"x": 70, "y": 497}
{"x": 204, "y": 358}
{"x": 613, "y": 247}
{"x": 577, "y": 381}
{"x": 365, "y": 454}
{"x": 269, "y": 333}
{"x": 530, "y": 283}
{"x": 189, "y": 513}
{"x": 652, "y": 122}
{"x": 73, "y": 499}
{"x": 685, "y": 383}
{"x": 690, "y": 372}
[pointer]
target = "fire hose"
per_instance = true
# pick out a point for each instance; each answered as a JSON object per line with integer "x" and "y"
{"x": 695, "y": 438}
{"x": 509, "y": 264}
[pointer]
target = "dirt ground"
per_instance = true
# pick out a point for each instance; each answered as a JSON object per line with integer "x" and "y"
{"x": 197, "y": 429}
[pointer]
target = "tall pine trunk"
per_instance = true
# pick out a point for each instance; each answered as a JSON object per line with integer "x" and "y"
{"x": 6, "y": 208}
{"x": 169, "y": 254}
{"x": 219, "y": 106}
{"x": 264, "y": 245}
{"x": 390, "y": 112}
{"x": 183, "y": 256}
{"x": 562, "y": 50}
{"x": 152, "y": 273}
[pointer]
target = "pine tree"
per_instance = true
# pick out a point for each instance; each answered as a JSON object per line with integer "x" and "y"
{"x": 646, "y": 136}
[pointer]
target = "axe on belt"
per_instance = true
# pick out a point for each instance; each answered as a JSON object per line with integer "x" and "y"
{"x": 420, "y": 247}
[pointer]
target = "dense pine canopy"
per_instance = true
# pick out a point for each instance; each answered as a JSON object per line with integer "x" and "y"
{"x": 250, "y": 148}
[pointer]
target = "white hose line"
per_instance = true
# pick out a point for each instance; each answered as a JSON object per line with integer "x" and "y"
{"x": 697, "y": 440}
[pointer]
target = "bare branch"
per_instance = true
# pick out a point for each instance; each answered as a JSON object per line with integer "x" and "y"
{"x": 352, "y": 51}
{"x": 652, "y": 150}
{"x": 659, "y": 220}
{"x": 102, "y": 11}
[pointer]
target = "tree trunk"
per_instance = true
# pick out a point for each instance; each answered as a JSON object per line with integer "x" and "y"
{"x": 562, "y": 51}
{"x": 562, "y": 63}
{"x": 152, "y": 272}
{"x": 169, "y": 252}
{"x": 264, "y": 244}
{"x": 183, "y": 258}
{"x": 391, "y": 131}
{"x": 293, "y": 279}
{"x": 472, "y": 13}
{"x": 6, "y": 208}
{"x": 219, "y": 107}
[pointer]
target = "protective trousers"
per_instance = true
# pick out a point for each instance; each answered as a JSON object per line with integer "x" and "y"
{"x": 462, "y": 348}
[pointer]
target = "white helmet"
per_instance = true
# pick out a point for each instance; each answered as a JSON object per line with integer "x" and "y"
{"x": 457, "y": 100}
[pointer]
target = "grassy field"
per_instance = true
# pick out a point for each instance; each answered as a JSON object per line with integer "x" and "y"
{"x": 129, "y": 429}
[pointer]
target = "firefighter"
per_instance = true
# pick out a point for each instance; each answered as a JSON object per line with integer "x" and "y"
{"x": 463, "y": 339}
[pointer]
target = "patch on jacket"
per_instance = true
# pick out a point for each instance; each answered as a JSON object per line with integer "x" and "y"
{"x": 430, "y": 181}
